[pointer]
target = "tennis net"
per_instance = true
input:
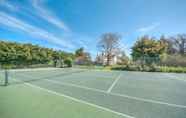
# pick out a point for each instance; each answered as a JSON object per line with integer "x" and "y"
{"x": 3, "y": 77}
{"x": 22, "y": 76}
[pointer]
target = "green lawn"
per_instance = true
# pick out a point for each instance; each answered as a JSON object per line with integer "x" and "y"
{"x": 21, "y": 101}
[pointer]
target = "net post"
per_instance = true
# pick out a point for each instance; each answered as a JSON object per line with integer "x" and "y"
{"x": 6, "y": 77}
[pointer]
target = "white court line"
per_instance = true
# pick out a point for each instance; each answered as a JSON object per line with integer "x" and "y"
{"x": 173, "y": 77}
{"x": 35, "y": 69}
{"x": 78, "y": 100}
{"x": 74, "y": 85}
{"x": 50, "y": 68}
{"x": 113, "y": 84}
{"x": 119, "y": 95}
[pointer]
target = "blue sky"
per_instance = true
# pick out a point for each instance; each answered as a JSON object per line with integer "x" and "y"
{"x": 70, "y": 24}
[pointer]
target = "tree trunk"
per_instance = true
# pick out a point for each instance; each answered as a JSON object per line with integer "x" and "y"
{"x": 108, "y": 59}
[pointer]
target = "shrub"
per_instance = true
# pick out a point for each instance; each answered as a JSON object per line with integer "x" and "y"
{"x": 127, "y": 67}
{"x": 173, "y": 69}
{"x": 151, "y": 68}
{"x": 174, "y": 60}
{"x": 68, "y": 62}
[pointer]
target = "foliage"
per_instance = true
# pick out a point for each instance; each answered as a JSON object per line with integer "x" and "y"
{"x": 123, "y": 59}
{"x": 176, "y": 44}
{"x": 174, "y": 60}
{"x": 82, "y": 57}
{"x": 172, "y": 69}
{"x": 151, "y": 68}
{"x": 148, "y": 54}
{"x": 65, "y": 55}
{"x": 147, "y": 47}
{"x": 79, "y": 52}
{"x": 16, "y": 54}
{"x": 68, "y": 62}
{"x": 143, "y": 68}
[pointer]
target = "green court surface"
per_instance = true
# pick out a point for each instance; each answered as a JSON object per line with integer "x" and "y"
{"x": 82, "y": 93}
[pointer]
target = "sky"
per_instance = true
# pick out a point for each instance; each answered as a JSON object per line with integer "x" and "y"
{"x": 71, "y": 24}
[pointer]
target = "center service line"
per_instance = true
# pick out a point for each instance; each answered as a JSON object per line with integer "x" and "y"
{"x": 114, "y": 83}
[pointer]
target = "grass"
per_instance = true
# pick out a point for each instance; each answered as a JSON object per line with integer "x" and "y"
{"x": 173, "y": 69}
{"x": 17, "y": 101}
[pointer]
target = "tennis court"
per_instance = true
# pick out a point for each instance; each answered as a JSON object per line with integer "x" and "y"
{"x": 82, "y": 93}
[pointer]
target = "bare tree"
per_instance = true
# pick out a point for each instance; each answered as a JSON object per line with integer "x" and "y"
{"x": 109, "y": 44}
{"x": 180, "y": 43}
{"x": 176, "y": 44}
{"x": 123, "y": 58}
{"x": 169, "y": 43}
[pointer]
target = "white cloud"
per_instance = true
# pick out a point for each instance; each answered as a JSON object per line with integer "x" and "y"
{"x": 39, "y": 10}
{"x": 20, "y": 25}
{"x": 148, "y": 28}
{"x": 15, "y": 24}
{"x": 47, "y": 15}
{"x": 6, "y": 3}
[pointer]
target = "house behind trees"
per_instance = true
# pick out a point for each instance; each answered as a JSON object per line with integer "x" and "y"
{"x": 101, "y": 59}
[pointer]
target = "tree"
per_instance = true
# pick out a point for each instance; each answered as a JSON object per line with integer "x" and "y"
{"x": 79, "y": 52}
{"x": 176, "y": 44}
{"x": 65, "y": 55}
{"x": 170, "y": 44}
{"x": 123, "y": 58}
{"x": 109, "y": 44}
{"x": 180, "y": 43}
{"x": 82, "y": 57}
{"x": 56, "y": 58}
{"x": 148, "y": 49}
{"x": 16, "y": 54}
{"x": 68, "y": 62}
{"x": 87, "y": 58}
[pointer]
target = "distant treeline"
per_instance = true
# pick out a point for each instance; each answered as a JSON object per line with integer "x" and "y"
{"x": 12, "y": 53}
